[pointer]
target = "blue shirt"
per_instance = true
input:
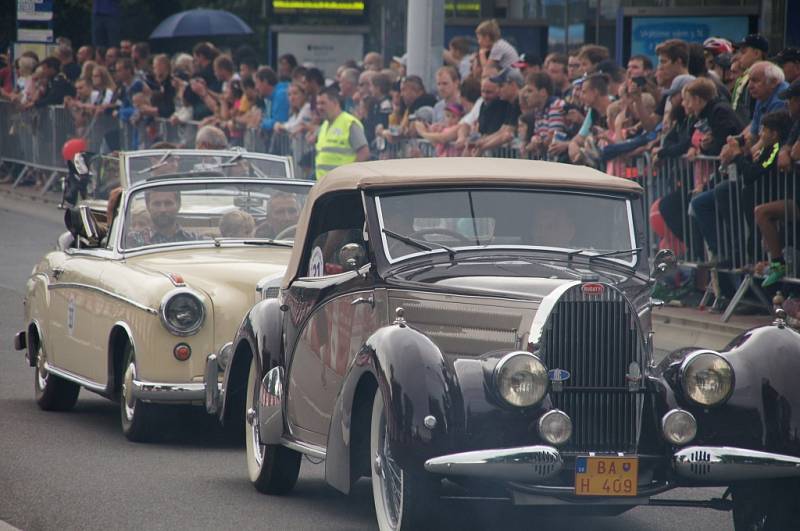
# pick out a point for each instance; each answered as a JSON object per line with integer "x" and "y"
{"x": 277, "y": 106}
{"x": 773, "y": 103}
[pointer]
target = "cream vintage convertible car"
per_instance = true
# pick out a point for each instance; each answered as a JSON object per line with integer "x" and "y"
{"x": 132, "y": 315}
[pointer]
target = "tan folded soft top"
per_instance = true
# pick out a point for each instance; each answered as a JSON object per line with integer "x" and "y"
{"x": 453, "y": 171}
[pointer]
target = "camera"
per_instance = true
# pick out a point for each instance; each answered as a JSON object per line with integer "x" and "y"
{"x": 640, "y": 81}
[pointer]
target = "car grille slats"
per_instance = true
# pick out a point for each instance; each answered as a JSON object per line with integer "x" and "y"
{"x": 596, "y": 337}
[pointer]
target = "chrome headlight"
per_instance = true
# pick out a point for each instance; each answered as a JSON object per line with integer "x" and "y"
{"x": 555, "y": 427}
{"x": 521, "y": 379}
{"x": 182, "y": 312}
{"x": 707, "y": 378}
{"x": 679, "y": 427}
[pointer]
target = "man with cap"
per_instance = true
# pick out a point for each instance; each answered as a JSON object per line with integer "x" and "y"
{"x": 789, "y": 60}
{"x": 752, "y": 49}
{"x": 528, "y": 62}
{"x": 790, "y": 152}
{"x": 509, "y": 81}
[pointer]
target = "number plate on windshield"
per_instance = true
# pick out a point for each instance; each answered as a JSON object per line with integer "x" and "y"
{"x": 606, "y": 476}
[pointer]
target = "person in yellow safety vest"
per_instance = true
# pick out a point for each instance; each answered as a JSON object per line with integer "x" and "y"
{"x": 341, "y": 138}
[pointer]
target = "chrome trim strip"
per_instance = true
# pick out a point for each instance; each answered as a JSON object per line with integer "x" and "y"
{"x": 543, "y": 312}
{"x": 72, "y": 377}
{"x": 78, "y": 285}
{"x": 725, "y": 464}
{"x": 304, "y": 448}
{"x": 169, "y": 392}
{"x": 525, "y": 463}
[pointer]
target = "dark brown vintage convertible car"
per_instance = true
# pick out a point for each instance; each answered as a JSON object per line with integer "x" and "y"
{"x": 488, "y": 322}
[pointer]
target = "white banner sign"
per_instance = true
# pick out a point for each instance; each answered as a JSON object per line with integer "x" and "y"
{"x": 325, "y": 50}
{"x": 34, "y": 35}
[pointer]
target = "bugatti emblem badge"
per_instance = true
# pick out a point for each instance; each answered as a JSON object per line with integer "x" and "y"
{"x": 593, "y": 289}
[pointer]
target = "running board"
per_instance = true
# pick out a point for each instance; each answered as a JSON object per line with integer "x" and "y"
{"x": 719, "y": 504}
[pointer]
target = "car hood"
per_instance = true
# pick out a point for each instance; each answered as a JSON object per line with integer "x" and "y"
{"x": 217, "y": 271}
{"x": 535, "y": 288}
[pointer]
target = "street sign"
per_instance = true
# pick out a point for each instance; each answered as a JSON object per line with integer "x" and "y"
{"x": 35, "y": 10}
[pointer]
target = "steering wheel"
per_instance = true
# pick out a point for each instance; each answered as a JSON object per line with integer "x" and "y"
{"x": 436, "y": 230}
{"x": 292, "y": 229}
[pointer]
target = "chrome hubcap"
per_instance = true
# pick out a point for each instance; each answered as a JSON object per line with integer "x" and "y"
{"x": 252, "y": 421}
{"x": 129, "y": 402}
{"x": 41, "y": 370}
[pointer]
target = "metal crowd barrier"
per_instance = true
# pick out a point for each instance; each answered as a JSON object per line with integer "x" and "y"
{"x": 673, "y": 187}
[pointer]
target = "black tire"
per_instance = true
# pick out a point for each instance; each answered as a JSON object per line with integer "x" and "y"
{"x": 53, "y": 393}
{"x": 136, "y": 417}
{"x": 766, "y": 505}
{"x": 272, "y": 468}
{"x": 403, "y": 500}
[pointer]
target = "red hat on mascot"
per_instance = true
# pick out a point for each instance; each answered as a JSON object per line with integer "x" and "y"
{"x": 73, "y": 146}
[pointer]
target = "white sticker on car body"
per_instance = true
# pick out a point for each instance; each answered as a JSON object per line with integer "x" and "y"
{"x": 316, "y": 265}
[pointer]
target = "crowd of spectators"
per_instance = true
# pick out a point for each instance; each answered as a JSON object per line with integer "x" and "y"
{"x": 732, "y": 100}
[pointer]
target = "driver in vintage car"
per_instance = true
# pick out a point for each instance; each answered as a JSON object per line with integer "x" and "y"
{"x": 163, "y": 207}
{"x": 283, "y": 211}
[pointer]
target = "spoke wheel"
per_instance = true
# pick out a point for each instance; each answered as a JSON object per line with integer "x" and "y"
{"x": 272, "y": 468}
{"x": 136, "y": 416}
{"x": 401, "y": 499}
{"x": 766, "y": 506}
{"x": 53, "y": 393}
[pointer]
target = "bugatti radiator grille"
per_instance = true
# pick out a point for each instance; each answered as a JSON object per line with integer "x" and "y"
{"x": 597, "y": 339}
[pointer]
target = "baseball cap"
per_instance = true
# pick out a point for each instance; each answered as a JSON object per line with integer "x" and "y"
{"x": 788, "y": 55}
{"x": 754, "y": 40}
{"x": 792, "y": 92}
{"x": 678, "y": 83}
{"x": 401, "y": 59}
{"x": 508, "y": 75}
{"x": 423, "y": 114}
{"x": 527, "y": 59}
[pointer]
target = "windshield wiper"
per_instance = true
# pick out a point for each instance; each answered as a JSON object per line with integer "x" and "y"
{"x": 161, "y": 162}
{"x": 635, "y": 250}
{"x": 419, "y": 244}
{"x": 276, "y": 243}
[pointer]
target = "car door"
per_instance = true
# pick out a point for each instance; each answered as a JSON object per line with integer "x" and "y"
{"x": 342, "y": 316}
{"x": 77, "y": 342}
{"x": 331, "y": 312}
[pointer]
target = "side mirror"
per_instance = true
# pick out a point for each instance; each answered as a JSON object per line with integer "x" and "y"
{"x": 663, "y": 263}
{"x": 352, "y": 256}
{"x": 80, "y": 222}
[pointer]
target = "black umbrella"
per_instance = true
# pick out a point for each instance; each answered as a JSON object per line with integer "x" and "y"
{"x": 201, "y": 23}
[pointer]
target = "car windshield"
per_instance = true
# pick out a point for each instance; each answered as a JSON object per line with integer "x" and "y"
{"x": 504, "y": 218}
{"x": 224, "y": 164}
{"x": 186, "y": 212}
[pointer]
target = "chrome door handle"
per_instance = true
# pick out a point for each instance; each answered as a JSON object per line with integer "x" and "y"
{"x": 363, "y": 300}
{"x": 57, "y": 272}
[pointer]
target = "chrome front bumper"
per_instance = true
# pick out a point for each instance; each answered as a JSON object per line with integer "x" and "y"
{"x": 525, "y": 463}
{"x": 723, "y": 464}
{"x": 704, "y": 464}
{"x": 169, "y": 392}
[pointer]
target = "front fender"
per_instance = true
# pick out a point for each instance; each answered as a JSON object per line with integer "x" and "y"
{"x": 259, "y": 335}
{"x": 411, "y": 372}
{"x": 763, "y": 412}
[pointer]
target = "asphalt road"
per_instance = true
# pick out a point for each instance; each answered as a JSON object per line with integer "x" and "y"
{"x": 76, "y": 471}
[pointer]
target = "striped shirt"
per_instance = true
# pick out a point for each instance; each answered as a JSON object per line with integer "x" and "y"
{"x": 551, "y": 119}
